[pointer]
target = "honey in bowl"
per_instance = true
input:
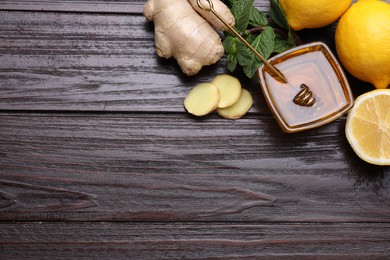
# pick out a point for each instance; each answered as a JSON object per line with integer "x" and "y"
{"x": 315, "y": 66}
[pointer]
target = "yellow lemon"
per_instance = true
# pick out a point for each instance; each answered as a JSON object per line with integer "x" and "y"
{"x": 363, "y": 41}
{"x": 368, "y": 127}
{"x": 302, "y": 14}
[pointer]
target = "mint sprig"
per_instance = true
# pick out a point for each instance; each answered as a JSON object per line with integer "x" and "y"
{"x": 268, "y": 34}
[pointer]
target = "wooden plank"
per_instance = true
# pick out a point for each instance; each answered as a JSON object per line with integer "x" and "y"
{"x": 101, "y": 6}
{"x": 170, "y": 167}
{"x": 106, "y": 6}
{"x": 194, "y": 241}
{"x": 96, "y": 62}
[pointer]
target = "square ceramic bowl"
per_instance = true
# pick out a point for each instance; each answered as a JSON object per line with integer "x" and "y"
{"x": 315, "y": 66}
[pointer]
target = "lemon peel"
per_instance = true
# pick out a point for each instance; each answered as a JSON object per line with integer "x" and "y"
{"x": 303, "y": 14}
{"x": 363, "y": 41}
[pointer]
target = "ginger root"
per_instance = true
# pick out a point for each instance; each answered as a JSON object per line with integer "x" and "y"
{"x": 182, "y": 33}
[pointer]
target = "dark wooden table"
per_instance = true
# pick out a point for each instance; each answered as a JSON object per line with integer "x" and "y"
{"x": 98, "y": 158}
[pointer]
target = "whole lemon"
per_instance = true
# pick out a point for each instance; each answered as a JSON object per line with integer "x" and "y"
{"x": 302, "y": 14}
{"x": 363, "y": 41}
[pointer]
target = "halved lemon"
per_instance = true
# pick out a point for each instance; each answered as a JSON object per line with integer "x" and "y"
{"x": 368, "y": 127}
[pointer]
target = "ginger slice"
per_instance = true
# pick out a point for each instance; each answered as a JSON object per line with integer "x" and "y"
{"x": 229, "y": 89}
{"x": 240, "y": 108}
{"x": 202, "y": 99}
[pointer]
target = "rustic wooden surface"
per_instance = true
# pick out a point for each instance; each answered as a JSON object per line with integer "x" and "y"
{"x": 99, "y": 159}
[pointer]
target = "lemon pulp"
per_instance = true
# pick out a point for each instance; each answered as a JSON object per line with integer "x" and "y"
{"x": 368, "y": 127}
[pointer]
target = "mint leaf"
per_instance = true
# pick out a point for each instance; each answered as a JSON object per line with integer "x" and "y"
{"x": 251, "y": 37}
{"x": 231, "y": 49}
{"x": 277, "y": 15}
{"x": 241, "y": 11}
{"x": 229, "y": 44}
{"x": 247, "y": 60}
{"x": 250, "y": 70}
{"x": 257, "y": 18}
{"x": 281, "y": 45}
{"x": 231, "y": 62}
{"x": 245, "y": 56}
{"x": 264, "y": 43}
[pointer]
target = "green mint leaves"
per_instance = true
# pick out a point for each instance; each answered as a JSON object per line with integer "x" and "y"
{"x": 241, "y": 11}
{"x": 255, "y": 27}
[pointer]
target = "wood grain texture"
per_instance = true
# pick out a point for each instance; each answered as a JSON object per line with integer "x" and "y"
{"x": 79, "y": 62}
{"x": 98, "y": 158}
{"x": 101, "y": 6}
{"x": 195, "y": 241}
{"x": 172, "y": 168}
{"x": 104, "y": 6}
{"x": 61, "y": 61}
{"x": 100, "y": 62}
